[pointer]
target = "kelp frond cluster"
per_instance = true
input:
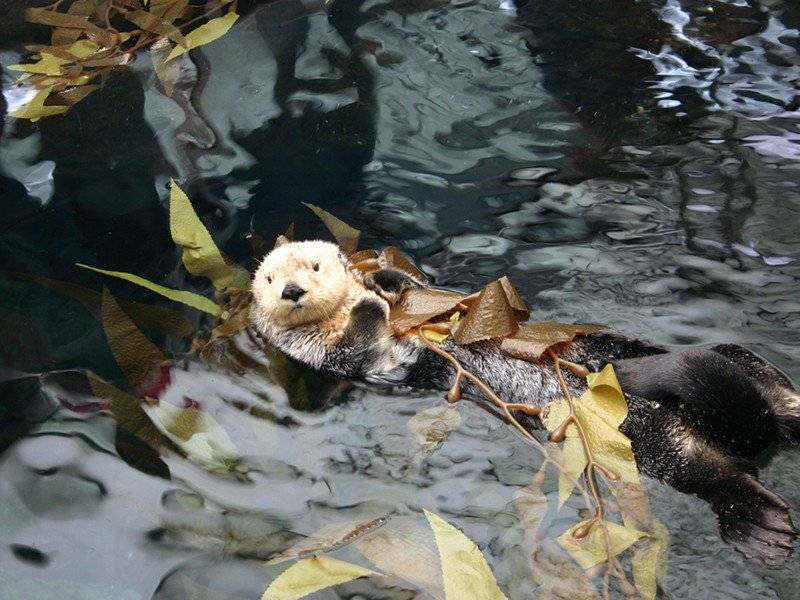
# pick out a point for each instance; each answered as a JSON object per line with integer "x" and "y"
{"x": 92, "y": 38}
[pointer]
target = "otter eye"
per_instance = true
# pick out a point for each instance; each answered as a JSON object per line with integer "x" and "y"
{"x": 316, "y": 266}
{"x": 269, "y": 279}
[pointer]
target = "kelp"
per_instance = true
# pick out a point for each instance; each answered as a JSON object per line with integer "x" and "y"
{"x": 91, "y": 39}
{"x": 586, "y": 449}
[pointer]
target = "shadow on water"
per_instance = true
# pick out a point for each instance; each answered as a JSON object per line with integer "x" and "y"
{"x": 633, "y": 163}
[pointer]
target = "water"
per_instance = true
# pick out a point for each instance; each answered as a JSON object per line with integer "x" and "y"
{"x": 628, "y": 163}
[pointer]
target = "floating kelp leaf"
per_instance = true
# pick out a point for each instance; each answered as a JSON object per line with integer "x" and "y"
{"x": 392, "y": 257}
{"x": 128, "y": 412}
{"x": 83, "y": 48}
{"x": 169, "y": 10}
{"x": 558, "y": 575}
{"x": 515, "y": 301}
{"x": 632, "y": 503}
{"x": 363, "y": 255}
{"x": 313, "y": 574}
{"x": 44, "y": 16}
{"x": 61, "y": 35}
{"x": 328, "y": 538}
{"x": 284, "y": 238}
{"x": 430, "y": 427}
{"x": 71, "y": 20}
{"x": 206, "y": 33}
{"x": 405, "y": 548}
{"x": 530, "y": 504}
{"x": 153, "y": 23}
{"x": 491, "y": 316}
{"x": 188, "y": 298}
{"x": 347, "y": 237}
{"x": 74, "y": 95}
{"x": 574, "y": 462}
{"x": 200, "y": 254}
{"x": 600, "y": 410}
{"x": 46, "y": 65}
{"x": 420, "y": 305}
{"x": 134, "y": 353}
{"x": 434, "y": 336}
{"x": 591, "y": 549}
{"x": 650, "y": 561}
{"x": 185, "y": 587}
{"x": 167, "y": 72}
{"x": 35, "y": 109}
{"x": 466, "y": 574}
{"x": 532, "y": 340}
{"x": 196, "y": 433}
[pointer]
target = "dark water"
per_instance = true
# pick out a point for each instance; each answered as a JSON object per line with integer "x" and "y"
{"x": 632, "y": 163}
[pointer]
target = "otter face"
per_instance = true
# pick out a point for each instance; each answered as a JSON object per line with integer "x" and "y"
{"x": 300, "y": 283}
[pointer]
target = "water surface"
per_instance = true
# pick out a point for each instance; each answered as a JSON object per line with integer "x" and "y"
{"x": 634, "y": 164}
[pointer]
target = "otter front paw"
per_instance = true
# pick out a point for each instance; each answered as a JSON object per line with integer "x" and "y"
{"x": 367, "y": 324}
{"x": 389, "y": 283}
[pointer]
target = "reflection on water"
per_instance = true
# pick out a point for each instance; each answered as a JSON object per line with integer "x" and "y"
{"x": 629, "y": 163}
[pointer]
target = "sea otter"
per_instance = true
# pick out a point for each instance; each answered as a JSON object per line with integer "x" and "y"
{"x": 697, "y": 418}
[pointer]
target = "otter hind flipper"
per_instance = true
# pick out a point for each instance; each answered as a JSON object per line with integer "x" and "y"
{"x": 710, "y": 392}
{"x": 777, "y": 389}
{"x": 754, "y": 520}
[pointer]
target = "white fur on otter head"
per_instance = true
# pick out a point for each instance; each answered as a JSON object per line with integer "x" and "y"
{"x": 300, "y": 283}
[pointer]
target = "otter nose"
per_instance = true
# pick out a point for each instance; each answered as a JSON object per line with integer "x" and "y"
{"x": 292, "y": 292}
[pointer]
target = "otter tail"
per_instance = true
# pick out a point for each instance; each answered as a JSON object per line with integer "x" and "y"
{"x": 776, "y": 389}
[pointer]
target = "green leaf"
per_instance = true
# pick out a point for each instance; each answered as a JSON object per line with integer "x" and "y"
{"x": 650, "y": 561}
{"x": 466, "y": 574}
{"x": 313, "y": 574}
{"x": 347, "y": 237}
{"x": 591, "y": 550}
{"x": 188, "y": 298}
{"x": 206, "y": 33}
{"x": 200, "y": 254}
{"x": 134, "y": 353}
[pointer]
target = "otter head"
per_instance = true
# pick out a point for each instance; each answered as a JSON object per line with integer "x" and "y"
{"x": 300, "y": 283}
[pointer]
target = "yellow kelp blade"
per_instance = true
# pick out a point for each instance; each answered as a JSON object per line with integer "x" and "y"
{"x": 188, "y": 298}
{"x": 600, "y": 410}
{"x": 200, "y": 254}
{"x": 46, "y": 65}
{"x": 35, "y": 109}
{"x": 466, "y": 573}
{"x": 204, "y": 34}
{"x": 347, "y": 237}
{"x": 313, "y": 574}
{"x": 592, "y": 550}
{"x": 650, "y": 561}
